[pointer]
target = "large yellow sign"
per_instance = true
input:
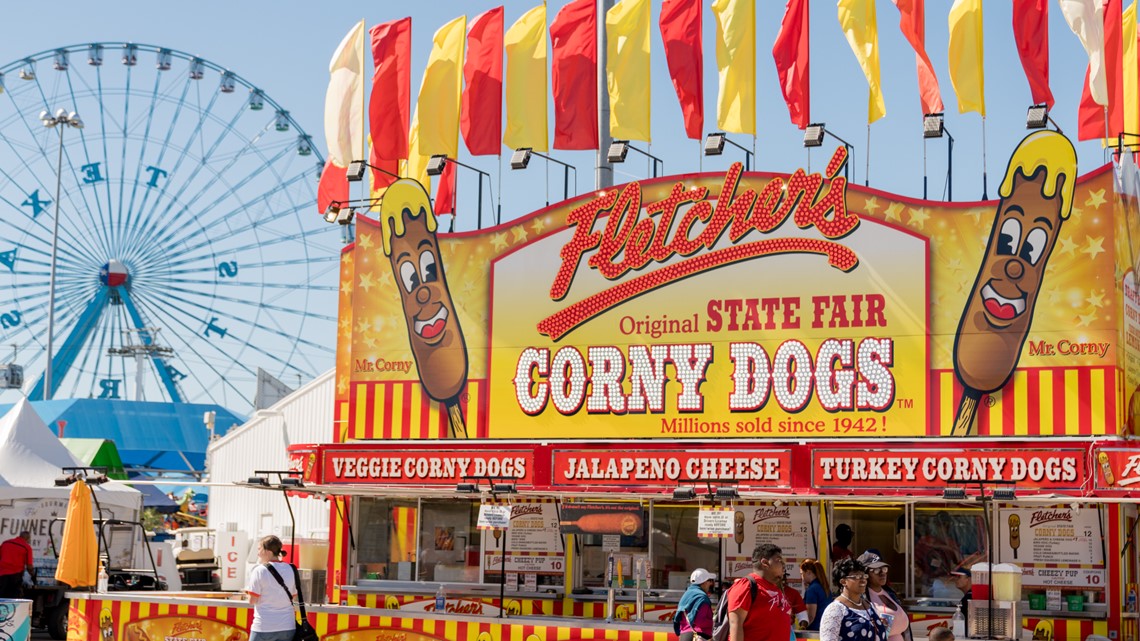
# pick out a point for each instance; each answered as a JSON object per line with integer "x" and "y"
{"x": 732, "y": 305}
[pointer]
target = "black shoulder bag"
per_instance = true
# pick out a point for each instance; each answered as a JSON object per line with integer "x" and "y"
{"x": 305, "y": 631}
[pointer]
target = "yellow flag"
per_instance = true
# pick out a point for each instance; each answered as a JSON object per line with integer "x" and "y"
{"x": 416, "y": 165}
{"x": 438, "y": 102}
{"x": 525, "y": 43}
{"x": 857, "y": 19}
{"x": 627, "y": 69}
{"x": 1131, "y": 84}
{"x": 736, "y": 61}
{"x": 966, "y": 56}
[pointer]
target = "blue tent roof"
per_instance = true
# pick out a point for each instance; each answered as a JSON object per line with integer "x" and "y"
{"x": 169, "y": 436}
{"x": 153, "y": 497}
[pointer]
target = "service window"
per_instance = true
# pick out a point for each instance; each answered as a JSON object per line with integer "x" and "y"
{"x": 594, "y": 548}
{"x": 945, "y": 539}
{"x": 449, "y": 541}
{"x": 676, "y": 549}
{"x": 385, "y": 538}
{"x": 881, "y": 528}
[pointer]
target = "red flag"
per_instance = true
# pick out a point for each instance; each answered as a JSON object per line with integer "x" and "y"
{"x": 574, "y": 75}
{"x": 912, "y": 23}
{"x": 481, "y": 111}
{"x": 1114, "y": 65}
{"x": 389, "y": 105}
{"x": 681, "y": 33}
{"x": 793, "y": 61}
{"x": 380, "y": 179}
{"x": 1090, "y": 116}
{"x": 1031, "y": 33}
{"x": 445, "y": 192}
{"x": 333, "y": 186}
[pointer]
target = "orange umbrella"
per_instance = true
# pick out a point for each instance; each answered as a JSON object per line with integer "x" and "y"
{"x": 79, "y": 552}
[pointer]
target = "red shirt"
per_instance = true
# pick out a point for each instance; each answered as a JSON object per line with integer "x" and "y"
{"x": 15, "y": 556}
{"x": 769, "y": 615}
{"x": 795, "y": 600}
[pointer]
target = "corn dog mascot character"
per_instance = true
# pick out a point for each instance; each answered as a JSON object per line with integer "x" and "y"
{"x": 1036, "y": 197}
{"x": 409, "y": 225}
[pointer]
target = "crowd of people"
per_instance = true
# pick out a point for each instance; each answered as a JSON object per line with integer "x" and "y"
{"x": 857, "y": 604}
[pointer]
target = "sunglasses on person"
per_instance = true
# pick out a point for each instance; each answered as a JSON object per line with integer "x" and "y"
{"x": 856, "y": 577}
{"x": 882, "y": 570}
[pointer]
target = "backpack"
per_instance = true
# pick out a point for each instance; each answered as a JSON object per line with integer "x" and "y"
{"x": 720, "y": 617}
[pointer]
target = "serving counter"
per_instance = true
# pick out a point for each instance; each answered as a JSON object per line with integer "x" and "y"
{"x": 136, "y": 616}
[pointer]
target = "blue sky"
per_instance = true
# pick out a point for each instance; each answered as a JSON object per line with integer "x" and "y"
{"x": 284, "y": 48}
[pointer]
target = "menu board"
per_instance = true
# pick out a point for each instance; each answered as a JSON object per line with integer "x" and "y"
{"x": 533, "y": 542}
{"x": 787, "y": 526}
{"x": 1054, "y": 546}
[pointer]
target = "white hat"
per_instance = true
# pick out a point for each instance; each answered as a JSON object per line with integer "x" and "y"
{"x": 700, "y": 575}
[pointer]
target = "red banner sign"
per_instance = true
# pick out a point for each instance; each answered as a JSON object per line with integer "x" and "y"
{"x": 1117, "y": 469}
{"x": 769, "y": 469}
{"x": 938, "y": 468}
{"x": 428, "y": 467}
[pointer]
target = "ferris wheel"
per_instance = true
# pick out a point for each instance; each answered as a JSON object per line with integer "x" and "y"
{"x": 189, "y": 255}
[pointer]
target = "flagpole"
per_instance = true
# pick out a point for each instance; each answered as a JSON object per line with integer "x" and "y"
{"x": 364, "y": 185}
{"x": 867, "y": 166}
{"x": 985, "y": 190}
{"x": 603, "y": 170}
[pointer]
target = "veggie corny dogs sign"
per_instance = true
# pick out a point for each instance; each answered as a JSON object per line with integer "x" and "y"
{"x": 739, "y": 305}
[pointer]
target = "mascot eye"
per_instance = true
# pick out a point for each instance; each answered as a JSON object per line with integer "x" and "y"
{"x": 409, "y": 276}
{"x": 1009, "y": 237}
{"x": 1034, "y": 246}
{"x": 427, "y": 267}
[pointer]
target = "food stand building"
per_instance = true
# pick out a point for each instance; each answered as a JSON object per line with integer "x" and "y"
{"x": 803, "y": 353}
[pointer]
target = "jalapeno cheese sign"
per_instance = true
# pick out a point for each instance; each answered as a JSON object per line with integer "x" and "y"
{"x": 734, "y": 305}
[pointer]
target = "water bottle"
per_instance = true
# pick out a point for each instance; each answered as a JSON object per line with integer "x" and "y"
{"x": 958, "y": 623}
{"x": 440, "y": 599}
{"x": 101, "y": 581}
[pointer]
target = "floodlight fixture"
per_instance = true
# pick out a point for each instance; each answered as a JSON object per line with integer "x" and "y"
{"x": 617, "y": 151}
{"x": 813, "y": 135}
{"x": 344, "y": 216}
{"x": 725, "y": 493}
{"x": 436, "y": 164}
{"x": 503, "y": 488}
{"x": 257, "y": 480}
{"x": 954, "y": 493}
{"x": 521, "y": 158}
{"x": 291, "y": 481}
{"x": 467, "y": 488}
{"x": 1004, "y": 494}
{"x": 933, "y": 125}
{"x": 714, "y": 144}
{"x": 1037, "y": 117}
{"x": 684, "y": 494}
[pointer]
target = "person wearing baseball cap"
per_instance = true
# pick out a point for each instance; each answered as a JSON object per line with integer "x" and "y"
{"x": 886, "y": 600}
{"x": 961, "y": 577}
{"x": 694, "y": 616}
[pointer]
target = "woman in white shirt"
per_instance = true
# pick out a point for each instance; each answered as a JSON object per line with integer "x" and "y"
{"x": 851, "y": 617}
{"x": 273, "y": 616}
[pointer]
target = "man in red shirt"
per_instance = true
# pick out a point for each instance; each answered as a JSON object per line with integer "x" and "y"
{"x": 15, "y": 557}
{"x": 768, "y": 617}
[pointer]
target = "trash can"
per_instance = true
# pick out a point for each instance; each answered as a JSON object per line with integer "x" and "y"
{"x": 15, "y": 619}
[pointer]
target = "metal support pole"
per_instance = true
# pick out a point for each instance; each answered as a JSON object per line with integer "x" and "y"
{"x": 603, "y": 170}
{"x": 566, "y": 183}
{"x": 950, "y": 168}
{"x": 480, "y": 223}
{"x": 48, "y": 383}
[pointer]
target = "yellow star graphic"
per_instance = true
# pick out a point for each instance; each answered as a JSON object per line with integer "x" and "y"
{"x": 1096, "y": 299}
{"x": 1095, "y": 246}
{"x": 385, "y": 280}
{"x": 519, "y": 234}
{"x": 1087, "y": 319}
{"x": 918, "y": 217}
{"x": 1068, "y": 247}
{"x": 362, "y": 326}
{"x": 1077, "y": 211}
{"x": 1095, "y": 199}
{"x": 538, "y": 226}
{"x": 894, "y": 212}
{"x": 499, "y": 241}
{"x": 955, "y": 265}
{"x": 342, "y": 385}
{"x": 976, "y": 214}
{"x": 364, "y": 241}
{"x": 366, "y": 283}
{"x": 370, "y": 342}
{"x": 344, "y": 325}
{"x": 871, "y": 205}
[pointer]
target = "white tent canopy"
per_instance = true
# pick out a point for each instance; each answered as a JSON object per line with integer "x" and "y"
{"x": 32, "y": 457}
